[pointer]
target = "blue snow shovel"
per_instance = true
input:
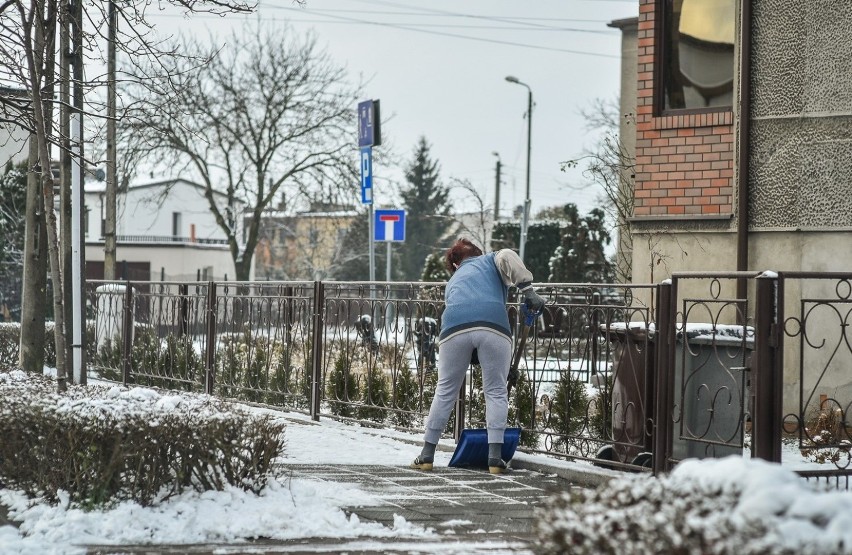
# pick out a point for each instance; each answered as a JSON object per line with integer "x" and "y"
{"x": 472, "y": 448}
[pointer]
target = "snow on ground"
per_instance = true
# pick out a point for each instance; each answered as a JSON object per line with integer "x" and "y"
{"x": 286, "y": 509}
{"x": 299, "y": 508}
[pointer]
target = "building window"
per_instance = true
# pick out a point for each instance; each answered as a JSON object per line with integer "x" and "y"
{"x": 697, "y": 56}
{"x": 176, "y": 224}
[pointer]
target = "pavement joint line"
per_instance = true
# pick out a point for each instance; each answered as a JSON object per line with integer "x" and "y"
{"x": 417, "y": 490}
{"x": 462, "y": 484}
{"x": 401, "y": 486}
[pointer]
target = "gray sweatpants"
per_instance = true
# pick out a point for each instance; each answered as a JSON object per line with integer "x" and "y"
{"x": 495, "y": 352}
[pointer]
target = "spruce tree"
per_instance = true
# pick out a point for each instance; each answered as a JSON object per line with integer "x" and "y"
{"x": 425, "y": 200}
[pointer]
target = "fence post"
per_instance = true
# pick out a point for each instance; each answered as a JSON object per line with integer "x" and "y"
{"x": 594, "y": 333}
{"x": 210, "y": 362}
{"x": 289, "y": 312}
{"x": 183, "y": 310}
{"x": 127, "y": 333}
{"x": 768, "y": 395}
{"x": 317, "y": 348}
{"x": 664, "y": 381}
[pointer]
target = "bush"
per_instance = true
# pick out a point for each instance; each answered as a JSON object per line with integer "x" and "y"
{"x": 10, "y": 339}
{"x": 342, "y": 386}
{"x": 10, "y": 336}
{"x": 405, "y": 395}
{"x": 568, "y": 410}
{"x": 730, "y": 506}
{"x": 102, "y": 445}
{"x": 375, "y": 395}
{"x": 521, "y": 406}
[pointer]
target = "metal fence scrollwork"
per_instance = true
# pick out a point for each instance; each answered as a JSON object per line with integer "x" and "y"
{"x": 624, "y": 376}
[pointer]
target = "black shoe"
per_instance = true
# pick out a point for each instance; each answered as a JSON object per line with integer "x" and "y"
{"x": 497, "y": 466}
{"x": 420, "y": 463}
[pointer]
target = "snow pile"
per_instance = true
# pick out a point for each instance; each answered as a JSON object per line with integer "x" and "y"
{"x": 110, "y": 403}
{"x": 731, "y": 505}
{"x": 285, "y": 510}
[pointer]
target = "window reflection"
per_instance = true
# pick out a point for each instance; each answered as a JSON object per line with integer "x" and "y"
{"x": 698, "y": 54}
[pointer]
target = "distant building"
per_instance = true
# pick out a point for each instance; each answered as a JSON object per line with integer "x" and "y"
{"x": 164, "y": 230}
{"x": 305, "y": 245}
{"x": 13, "y": 139}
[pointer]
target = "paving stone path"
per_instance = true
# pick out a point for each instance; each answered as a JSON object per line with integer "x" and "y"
{"x": 471, "y": 511}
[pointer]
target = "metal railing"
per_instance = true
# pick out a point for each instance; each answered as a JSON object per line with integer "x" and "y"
{"x": 626, "y": 376}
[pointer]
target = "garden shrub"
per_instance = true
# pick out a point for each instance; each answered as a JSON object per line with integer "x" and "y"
{"x": 10, "y": 336}
{"x": 375, "y": 395}
{"x": 729, "y": 506}
{"x": 568, "y": 410}
{"x": 825, "y": 438}
{"x": 342, "y": 386}
{"x": 521, "y": 405}
{"x": 600, "y": 413}
{"x": 405, "y": 397}
{"x": 103, "y": 444}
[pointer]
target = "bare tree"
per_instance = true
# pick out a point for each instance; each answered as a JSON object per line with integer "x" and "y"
{"x": 611, "y": 166}
{"x": 28, "y": 60}
{"x": 268, "y": 117}
{"x": 476, "y": 224}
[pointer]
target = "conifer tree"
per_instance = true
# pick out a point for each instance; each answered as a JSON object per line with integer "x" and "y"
{"x": 425, "y": 200}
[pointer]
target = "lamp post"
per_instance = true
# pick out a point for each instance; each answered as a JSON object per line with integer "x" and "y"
{"x": 526, "y": 219}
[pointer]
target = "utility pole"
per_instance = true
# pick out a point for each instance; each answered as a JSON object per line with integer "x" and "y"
{"x": 497, "y": 190}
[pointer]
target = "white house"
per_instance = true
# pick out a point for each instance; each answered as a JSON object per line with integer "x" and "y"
{"x": 164, "y": 230}
{"x": 13, "y": 139}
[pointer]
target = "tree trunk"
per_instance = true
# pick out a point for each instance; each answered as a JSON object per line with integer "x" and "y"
{"x": 111, "y": 174}
{"x": 65, "y": 161}
{"x": 42, "y": 106}
{"x": 33, "y": 296}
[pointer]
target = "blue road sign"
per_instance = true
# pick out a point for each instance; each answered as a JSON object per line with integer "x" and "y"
{"x": 369, "y": 124}
{"x": 389, "y": 225}
{"x": 367, "y": 175}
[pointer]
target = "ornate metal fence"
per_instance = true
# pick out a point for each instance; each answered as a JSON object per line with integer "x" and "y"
{"x": 625, "y": 376}
{"x": 703, "y": 367}
{"x": 812, "y": 334}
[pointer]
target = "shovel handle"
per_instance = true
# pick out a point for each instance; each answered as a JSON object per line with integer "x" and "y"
{"x": 529, "y": 320}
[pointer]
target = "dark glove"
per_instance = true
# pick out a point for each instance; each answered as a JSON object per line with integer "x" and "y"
{"x": 512, "y": 380}
{"x": 532, "y": 300}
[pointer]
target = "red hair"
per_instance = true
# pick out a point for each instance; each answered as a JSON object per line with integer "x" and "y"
{"x": 458, "y": 253}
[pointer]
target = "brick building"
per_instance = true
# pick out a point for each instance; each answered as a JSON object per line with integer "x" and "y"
{"x": 742, "y": 157}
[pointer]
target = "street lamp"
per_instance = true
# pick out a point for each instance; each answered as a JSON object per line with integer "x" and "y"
{"x": 526, "y": 219}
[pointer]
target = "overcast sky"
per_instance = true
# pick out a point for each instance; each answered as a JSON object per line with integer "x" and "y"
{"x": 439, "y": 68}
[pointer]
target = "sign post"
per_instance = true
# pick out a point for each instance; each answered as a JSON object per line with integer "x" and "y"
{"x": 390, "y": 228}
{"x": 369, "y": 135}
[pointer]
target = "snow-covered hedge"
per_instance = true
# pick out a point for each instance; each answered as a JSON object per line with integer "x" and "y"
{"x": 723, "y": 506}
{"x": 103, "y": 444}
